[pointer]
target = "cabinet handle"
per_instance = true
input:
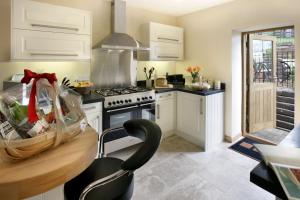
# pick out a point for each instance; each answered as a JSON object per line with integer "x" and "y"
{"x": 52, "y": 54}
{"x": 167, "y": 56}
{"x": 53, "y": 26}
{"x": 201, "y": 106}
{"x": 158, "y": 111}
{"x": 89, "y": 108}
{"x": 169, "y": 39}
{"x": 163, "y": 96}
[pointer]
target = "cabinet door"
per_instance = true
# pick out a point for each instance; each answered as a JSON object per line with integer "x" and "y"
{"x": 166, "y": 51}
{"x": 33, "y": 15}
{"x": 188, "y": 115}
{"x": 165, "y": 116}
{"x": 37, "y": 45}
{"x": 93, "y": 120}
{"x": 56, "y": 193}
{"x": 165, "y": 33}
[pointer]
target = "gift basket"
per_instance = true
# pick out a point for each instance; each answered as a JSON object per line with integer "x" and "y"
{"x": 38, "y": 117}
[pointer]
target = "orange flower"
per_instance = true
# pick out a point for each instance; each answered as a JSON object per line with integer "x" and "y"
{"x": 189, "y": 69}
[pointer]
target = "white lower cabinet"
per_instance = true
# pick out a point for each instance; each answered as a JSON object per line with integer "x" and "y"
{"x": 166, "y": 112}
{"x": 200, "y": 119}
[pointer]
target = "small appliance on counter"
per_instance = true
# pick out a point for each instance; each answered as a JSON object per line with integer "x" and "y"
{"x": 175, "y": 79}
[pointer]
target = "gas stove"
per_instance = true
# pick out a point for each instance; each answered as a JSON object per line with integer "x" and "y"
{"x": 125, "y": 96}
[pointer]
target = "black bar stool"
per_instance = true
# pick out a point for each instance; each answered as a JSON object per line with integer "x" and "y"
{"x": 112, "y": 178}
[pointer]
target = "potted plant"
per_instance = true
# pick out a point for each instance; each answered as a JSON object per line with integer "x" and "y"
{"x": 195, "y": 72}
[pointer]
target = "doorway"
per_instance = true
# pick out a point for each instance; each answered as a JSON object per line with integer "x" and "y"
{"x": 268, "y": 92}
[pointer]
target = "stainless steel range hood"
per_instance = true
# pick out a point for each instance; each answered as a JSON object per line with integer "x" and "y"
{"x": 119, "y": 39}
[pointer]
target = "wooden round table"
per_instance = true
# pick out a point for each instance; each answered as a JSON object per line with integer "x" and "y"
{"x": 49, "y": 169}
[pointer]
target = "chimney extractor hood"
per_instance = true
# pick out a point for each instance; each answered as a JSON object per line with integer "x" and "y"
{"x": 119, "y": 39}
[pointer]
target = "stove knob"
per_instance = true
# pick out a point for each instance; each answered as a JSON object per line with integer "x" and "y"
{"x": 143, "y": 98}
{"x": 129, "y": 100}
{"x": 118, "y": 102}
{"x": 109, "y": 103}
{"x": 121, "y": 102}
{"x": 146, "y": 98}
{"x": 150, "y": 97}
{"x": 126, "y": 101}
{"x": 138, "y": 99}
{"x": 113, "y": 102}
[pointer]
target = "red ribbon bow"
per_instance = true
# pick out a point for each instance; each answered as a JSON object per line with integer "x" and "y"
{"x": 28, "y": 75}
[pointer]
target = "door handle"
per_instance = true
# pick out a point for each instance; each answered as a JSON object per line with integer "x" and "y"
{"x": 52, "y": 54}
{"x": 167, "y": 56}
{"x": 169, "y": 39}
{"x": 201, "y": 106}
{"x": 57, "y": 27}
{"x": 158, "y": 111}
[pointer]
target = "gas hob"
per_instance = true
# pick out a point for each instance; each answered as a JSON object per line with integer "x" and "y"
{"x": 125, "y": 96}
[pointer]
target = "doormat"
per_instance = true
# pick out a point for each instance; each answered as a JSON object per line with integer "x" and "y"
{"x": 272, "y": 135}
{"x": 246, "y": 147}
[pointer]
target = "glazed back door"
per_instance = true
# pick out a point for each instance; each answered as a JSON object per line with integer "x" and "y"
{"x": 262, "y": 82}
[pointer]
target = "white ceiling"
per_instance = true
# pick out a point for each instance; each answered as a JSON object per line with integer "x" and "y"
{"x": 175, "y": 7}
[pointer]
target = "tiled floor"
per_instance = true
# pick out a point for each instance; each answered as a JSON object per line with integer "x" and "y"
{"x": 179, "y": 170}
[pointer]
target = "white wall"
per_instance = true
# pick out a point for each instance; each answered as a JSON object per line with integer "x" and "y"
{"x": 210, "y": 39}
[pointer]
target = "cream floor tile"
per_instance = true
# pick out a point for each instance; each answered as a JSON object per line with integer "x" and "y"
{"x": 180, "y": 170}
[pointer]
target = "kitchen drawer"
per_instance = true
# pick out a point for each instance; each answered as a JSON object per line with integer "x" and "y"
{"x": 33, "y": 15}
{"x": 165, "y": 96}
{"x": 38, "y": 45}
{"x": 166, "y": 51}
{"x": 92, "y": 108}
{"x": 165, "y": 33}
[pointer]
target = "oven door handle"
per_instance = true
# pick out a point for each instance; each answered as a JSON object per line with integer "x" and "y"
{"x": 119, "y": 109}
{"x": 147, "y": 104}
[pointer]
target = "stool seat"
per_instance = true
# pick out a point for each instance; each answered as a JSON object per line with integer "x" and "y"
{"x": 100, "y": 168}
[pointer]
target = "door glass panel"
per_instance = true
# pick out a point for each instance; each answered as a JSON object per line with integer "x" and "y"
{"x": 262, "y": 61}
{"x": 117, "y": 120}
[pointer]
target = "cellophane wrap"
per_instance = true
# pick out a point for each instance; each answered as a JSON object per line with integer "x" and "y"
{"x": 58, "y": 110}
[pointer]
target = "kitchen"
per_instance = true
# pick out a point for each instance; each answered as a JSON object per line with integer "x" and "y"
{"x": 111, "y": 47}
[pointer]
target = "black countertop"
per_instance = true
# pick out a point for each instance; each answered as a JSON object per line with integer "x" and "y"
{"x": 92, "y": 98}
{"x": 189, "y": 89}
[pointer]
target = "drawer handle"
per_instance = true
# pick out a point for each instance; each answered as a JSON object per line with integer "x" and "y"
{"x": 163, "y": 96}
{"x": 89, "y": 108}
{"x": 169, "y": 39}
{"x": 168, "y": 56}
{"x": 53, "y": 26}
{"x": 52, "y": 54}
{"x": 158, "y": 111}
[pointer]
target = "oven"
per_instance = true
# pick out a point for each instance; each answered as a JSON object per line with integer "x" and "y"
{"x": 115, "y": 117}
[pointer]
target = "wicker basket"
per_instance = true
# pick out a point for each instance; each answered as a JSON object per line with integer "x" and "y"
{"x": 25, "y": 148}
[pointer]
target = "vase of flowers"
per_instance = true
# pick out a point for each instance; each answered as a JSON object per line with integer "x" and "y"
{"x": 148, "y": 76}
{"x": 195, "y": 73}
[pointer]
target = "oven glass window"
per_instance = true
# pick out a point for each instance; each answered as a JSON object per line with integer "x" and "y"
{"x": 117, "y": 120}
{"x": 148, "y": 112}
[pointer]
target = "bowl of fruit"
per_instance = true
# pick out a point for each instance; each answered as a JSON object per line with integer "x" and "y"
{"x": 83, "y": 87}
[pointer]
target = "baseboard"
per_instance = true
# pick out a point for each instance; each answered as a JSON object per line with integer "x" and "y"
{"x": 231, "y": 139}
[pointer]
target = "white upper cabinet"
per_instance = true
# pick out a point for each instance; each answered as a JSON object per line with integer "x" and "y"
{"x": 165, "y": 42}
{"x": 165, "y": 33}
{"x": 39, "y": 45}
{"x": 47, "y": 32}
{"x": 46, "y": 17}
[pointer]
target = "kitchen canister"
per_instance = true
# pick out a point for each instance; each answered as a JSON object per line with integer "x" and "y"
{"x": 217, "y": 85}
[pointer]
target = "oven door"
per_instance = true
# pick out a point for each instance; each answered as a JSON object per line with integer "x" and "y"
{"x": 116, "y": 117}
{"x": 148, "y": 111}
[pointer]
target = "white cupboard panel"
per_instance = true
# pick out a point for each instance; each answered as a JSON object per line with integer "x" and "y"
{"x": 165, "y": 33}
{"x": 166, "y": 51}
{"x": 37, "y": 45}
{"x": 46, "y": 17}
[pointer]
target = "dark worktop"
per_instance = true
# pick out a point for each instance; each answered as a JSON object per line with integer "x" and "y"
{"x": 263, "y": 176}
{"x": 189, "y": 89}
{"x": 92, "y": 98}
